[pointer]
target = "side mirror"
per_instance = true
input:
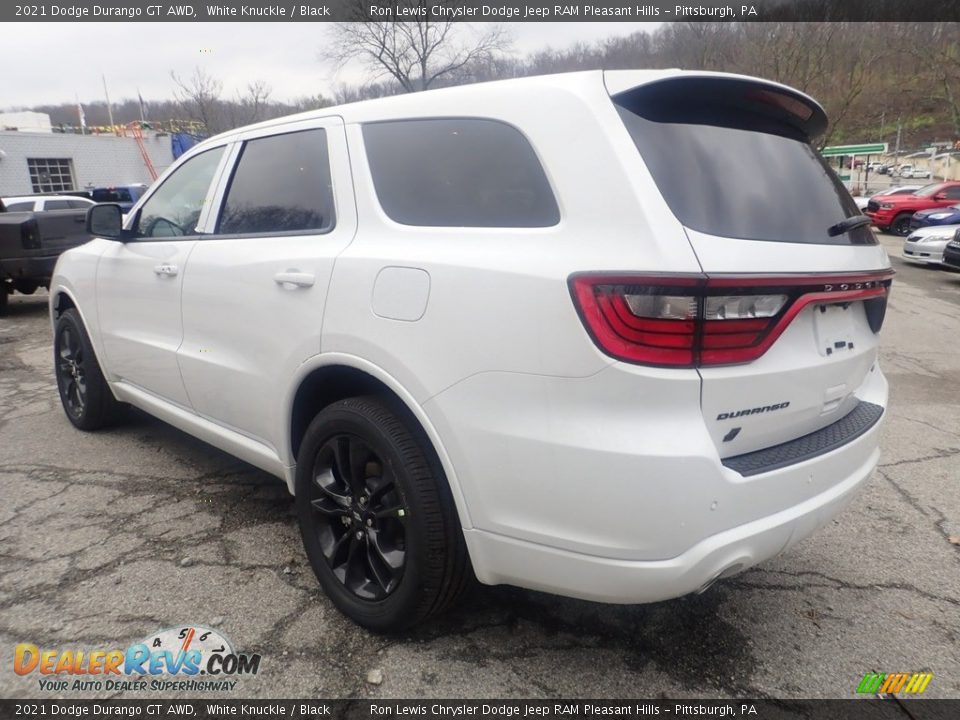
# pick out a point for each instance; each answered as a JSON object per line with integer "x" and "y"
{"x": 106, "y": 221}
{"x": 940, "y": 196}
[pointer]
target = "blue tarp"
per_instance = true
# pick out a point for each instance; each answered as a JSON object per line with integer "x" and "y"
{"x": 181, "y": 142}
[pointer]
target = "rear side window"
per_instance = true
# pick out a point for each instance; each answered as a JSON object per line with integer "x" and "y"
{"x": 458, "y": 172}
{"x": 281, "y": 184}
{"x": 20, "y": 206}
{"x": 79, "y": 204}
{"x": 734, "y": 159}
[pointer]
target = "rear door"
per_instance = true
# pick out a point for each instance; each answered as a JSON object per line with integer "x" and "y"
{"x": 793, "y": 297}
{"x": 255, "y": 287}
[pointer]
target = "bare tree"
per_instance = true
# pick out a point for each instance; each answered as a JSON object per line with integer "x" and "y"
{"x": 199, "y": 96}
{"x": 415, "y": 54}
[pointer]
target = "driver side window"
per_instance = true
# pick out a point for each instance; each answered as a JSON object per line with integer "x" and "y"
{"x": 174, "y": 209}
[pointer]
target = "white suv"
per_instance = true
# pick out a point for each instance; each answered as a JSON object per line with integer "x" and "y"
{"x": 611, "y": 335}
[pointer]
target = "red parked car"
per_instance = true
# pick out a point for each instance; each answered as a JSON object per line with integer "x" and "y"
{"x": 893, "y": 212}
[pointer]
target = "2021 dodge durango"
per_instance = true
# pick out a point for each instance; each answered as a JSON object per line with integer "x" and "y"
{"x": 566, "y": 332}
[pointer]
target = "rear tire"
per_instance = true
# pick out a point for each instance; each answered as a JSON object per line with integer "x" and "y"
{"x": 86, "y": 397}
{"x": 901, "y": 224}
{"x": 377, "y": 518}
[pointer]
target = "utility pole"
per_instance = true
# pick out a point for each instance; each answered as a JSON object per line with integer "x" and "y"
{"x": 896, "y": 151}
{"x": 109, "y": 108}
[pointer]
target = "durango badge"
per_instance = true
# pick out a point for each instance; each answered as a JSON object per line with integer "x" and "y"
{"x": 752, "y": 411}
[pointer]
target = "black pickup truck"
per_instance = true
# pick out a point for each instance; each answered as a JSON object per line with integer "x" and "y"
{"x": 31, "y": 242}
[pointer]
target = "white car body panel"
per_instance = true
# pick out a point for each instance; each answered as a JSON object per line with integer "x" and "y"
{"x": 571, "y": 471}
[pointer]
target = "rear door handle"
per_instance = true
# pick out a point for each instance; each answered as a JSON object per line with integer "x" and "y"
{"x": 165, "y": 269}
{"x": 293, "y": 277}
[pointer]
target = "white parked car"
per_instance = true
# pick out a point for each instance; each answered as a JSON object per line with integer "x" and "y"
{"x": 925, "y": 245}
{"x": 43, "y": 203}
{"x": 918, "y": 173}
{"x": 603, "y": 357}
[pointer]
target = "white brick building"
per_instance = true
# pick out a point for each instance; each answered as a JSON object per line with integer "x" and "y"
{"x": 50, "y": 162}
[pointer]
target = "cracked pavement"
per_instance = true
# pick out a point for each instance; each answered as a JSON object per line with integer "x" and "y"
{"x": 108, "y": 537}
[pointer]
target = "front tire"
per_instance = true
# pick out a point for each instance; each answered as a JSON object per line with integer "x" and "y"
{"x": 86, "y": 397}
{"x": 377, "y": 518}
{"x": 901, "y": 224}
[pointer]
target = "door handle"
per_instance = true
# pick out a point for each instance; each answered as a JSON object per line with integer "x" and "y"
{"x": 293, "y": 277}
{"x": 165, "y": 269}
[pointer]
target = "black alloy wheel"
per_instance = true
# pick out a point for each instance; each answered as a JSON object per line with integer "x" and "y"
{"x": 901, "y": 225}
{"x": 71, "y": 370}
{"x": 87, "y": 399}
{"x": 359, "y": 517}
{"x": 376, "y": 515}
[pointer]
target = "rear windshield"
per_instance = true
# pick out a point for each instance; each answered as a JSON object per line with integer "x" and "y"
{"x": 112, "y": 195}
{"x": 736, "y": 161}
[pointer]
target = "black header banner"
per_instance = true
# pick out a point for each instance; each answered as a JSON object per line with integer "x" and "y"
{"x": 360, "y": 709}
{"x": 481, "y": 11}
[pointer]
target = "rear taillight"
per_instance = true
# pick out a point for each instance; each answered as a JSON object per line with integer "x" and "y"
{"x": 696, "y": 320}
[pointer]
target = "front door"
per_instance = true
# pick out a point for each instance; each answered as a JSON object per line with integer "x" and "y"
{"x": 139, "y": 281}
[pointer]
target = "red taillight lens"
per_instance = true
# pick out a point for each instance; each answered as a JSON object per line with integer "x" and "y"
{"x": 692, "y": 321}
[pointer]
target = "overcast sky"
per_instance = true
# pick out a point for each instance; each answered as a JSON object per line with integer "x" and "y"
{"x": 49, "y": 63}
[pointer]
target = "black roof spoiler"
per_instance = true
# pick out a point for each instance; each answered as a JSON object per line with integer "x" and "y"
{"x": 725, "y": 100}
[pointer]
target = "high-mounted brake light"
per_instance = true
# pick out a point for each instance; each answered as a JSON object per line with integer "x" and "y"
{"x": 695, "y": 320}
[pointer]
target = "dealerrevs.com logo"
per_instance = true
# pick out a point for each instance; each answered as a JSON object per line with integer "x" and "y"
{"x": 188, "y": 658}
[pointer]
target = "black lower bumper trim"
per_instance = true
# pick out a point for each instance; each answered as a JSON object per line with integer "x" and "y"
{"x": 852, "y": 425}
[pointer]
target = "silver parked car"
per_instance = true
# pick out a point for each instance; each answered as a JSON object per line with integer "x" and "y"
{"x": 926, "y": 244}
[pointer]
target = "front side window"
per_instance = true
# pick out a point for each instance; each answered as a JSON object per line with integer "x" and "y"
{"x": 458, "y": 172}
{"x": 281, "y": 184}
{"x": 57, "y": 205}
{"x": 175, "y": 208}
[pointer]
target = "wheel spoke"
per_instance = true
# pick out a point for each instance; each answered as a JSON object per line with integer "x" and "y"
{"x": 392, "y": 558}
{"x": 329, "y": 507}
{"x": 326, "y": 483}
{"x": 377, "y": 486}
{"x": 338, "y": 546}
{"x": 381, "y": 572}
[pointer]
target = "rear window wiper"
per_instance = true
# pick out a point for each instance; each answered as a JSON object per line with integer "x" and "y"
{"x": 845, "y": 226}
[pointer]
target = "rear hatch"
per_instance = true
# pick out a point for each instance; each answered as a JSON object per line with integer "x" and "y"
{"x": 793, "y": 291}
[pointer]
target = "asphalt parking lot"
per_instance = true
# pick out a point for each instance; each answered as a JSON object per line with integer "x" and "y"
{"x": 106, "y": 538}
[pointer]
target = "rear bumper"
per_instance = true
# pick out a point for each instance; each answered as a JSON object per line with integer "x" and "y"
{"x": 610, "y": 488}
{"x": 607, "y": 580}
{"x": 28, "y": 268}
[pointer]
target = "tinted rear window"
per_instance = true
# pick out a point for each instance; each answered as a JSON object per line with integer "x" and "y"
{"x": 458, "y": 172}
{"x": 112, "y": 195}
{"x": 20, "y": 206}
{"x": 729, "y": 164}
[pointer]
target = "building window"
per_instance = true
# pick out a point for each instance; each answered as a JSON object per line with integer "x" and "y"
{"x": 50, "y": 174}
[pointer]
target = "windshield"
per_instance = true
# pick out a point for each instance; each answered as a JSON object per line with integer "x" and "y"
{"x": 733, "y": 168}
{"x": 928, "y": 190}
